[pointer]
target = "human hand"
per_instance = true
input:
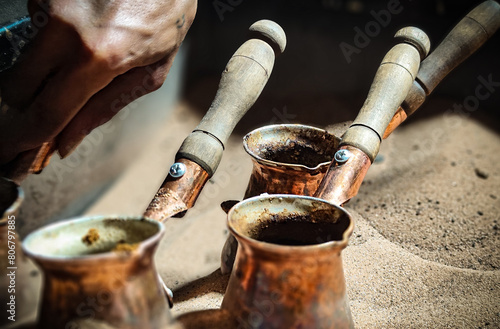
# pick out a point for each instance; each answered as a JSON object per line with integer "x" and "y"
{"x": 89, "y": 60}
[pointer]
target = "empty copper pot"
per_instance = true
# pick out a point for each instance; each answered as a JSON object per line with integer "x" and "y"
{"x": 288, "y": 271}
{"x": 99, "y": 270}
{"x": 288, "y": 158}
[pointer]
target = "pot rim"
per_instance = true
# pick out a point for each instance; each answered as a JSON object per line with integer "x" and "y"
{"x": 295, "y": 166}
{"x": 108, "y": 255}
{"x": 289, "y": 249}
{"x": 14, "y": 207}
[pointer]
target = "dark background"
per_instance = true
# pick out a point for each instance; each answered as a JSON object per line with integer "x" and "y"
{"x": 312, "y": 82}
{"x": 11, "y": 9}
{"x": 312, "y": 78}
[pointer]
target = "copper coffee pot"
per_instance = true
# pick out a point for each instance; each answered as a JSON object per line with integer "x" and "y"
{"x": 288, "y": 271}
{"x": 288, "y": 158}
{"x": 101, "y": 270}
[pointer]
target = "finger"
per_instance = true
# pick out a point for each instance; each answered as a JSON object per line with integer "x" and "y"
{"x": 19, "y": 168}
{"x": 104, "y": 105}
{"x": 20, "y": 85}
{"x": 52, "y": 46}
{"x": 62, "y": 97}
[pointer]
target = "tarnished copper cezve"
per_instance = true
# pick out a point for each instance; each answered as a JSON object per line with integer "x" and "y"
{"x": 342, "y": 181}
{"x": 282, "y": 178}
{"x": 288, "y": 158}
{"x": 292, "y": 276}
{"x": 176, "y": 195}
{"x": 120, "y": 287}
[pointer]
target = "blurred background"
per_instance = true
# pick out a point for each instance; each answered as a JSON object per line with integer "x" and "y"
{"x": 314, "y": 82}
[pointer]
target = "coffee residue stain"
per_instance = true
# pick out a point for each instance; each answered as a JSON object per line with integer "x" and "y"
{"x": 91, "y": 237}
{"x": 122, "y": 246}
{"x": 298, "y": 154}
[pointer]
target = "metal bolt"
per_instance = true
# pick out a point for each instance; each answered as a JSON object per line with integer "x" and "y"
{"x": 177, "y": 170}
{"x": 341, "y": 156}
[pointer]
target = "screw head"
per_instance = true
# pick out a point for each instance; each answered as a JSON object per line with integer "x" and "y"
{"x": 177, "y": 170}
{"x": 341, "y": 156}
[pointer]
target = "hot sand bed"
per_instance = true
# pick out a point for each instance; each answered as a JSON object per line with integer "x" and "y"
{"x": 404, "y": 271}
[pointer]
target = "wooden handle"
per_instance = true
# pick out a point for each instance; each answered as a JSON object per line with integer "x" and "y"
{"x": 464, "y": 40}
{"x": 242, "y": 81}
{"x": 390, "y": 86}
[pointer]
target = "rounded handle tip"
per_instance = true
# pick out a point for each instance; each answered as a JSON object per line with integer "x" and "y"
{"x": 415, "y": 37}
{"x": 272, "y": 33}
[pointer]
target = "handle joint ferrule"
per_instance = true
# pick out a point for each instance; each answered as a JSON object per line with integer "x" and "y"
{"x": 211, "y": 135}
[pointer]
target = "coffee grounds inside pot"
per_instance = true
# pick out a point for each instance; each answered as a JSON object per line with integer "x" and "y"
{"x": 297, "y": 154}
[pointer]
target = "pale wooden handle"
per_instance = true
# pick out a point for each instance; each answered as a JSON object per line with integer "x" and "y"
{"x": 242, "y": 81}
{"x": 464, "y": 40}
{"x": 390, "y": 86}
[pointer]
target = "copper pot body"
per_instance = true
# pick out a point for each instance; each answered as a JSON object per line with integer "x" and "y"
{"x": 288, "y": 158}
{"x": 19, "y": 282}
{"x": 88, "y": 283}
{"x": 288, "y": 271}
